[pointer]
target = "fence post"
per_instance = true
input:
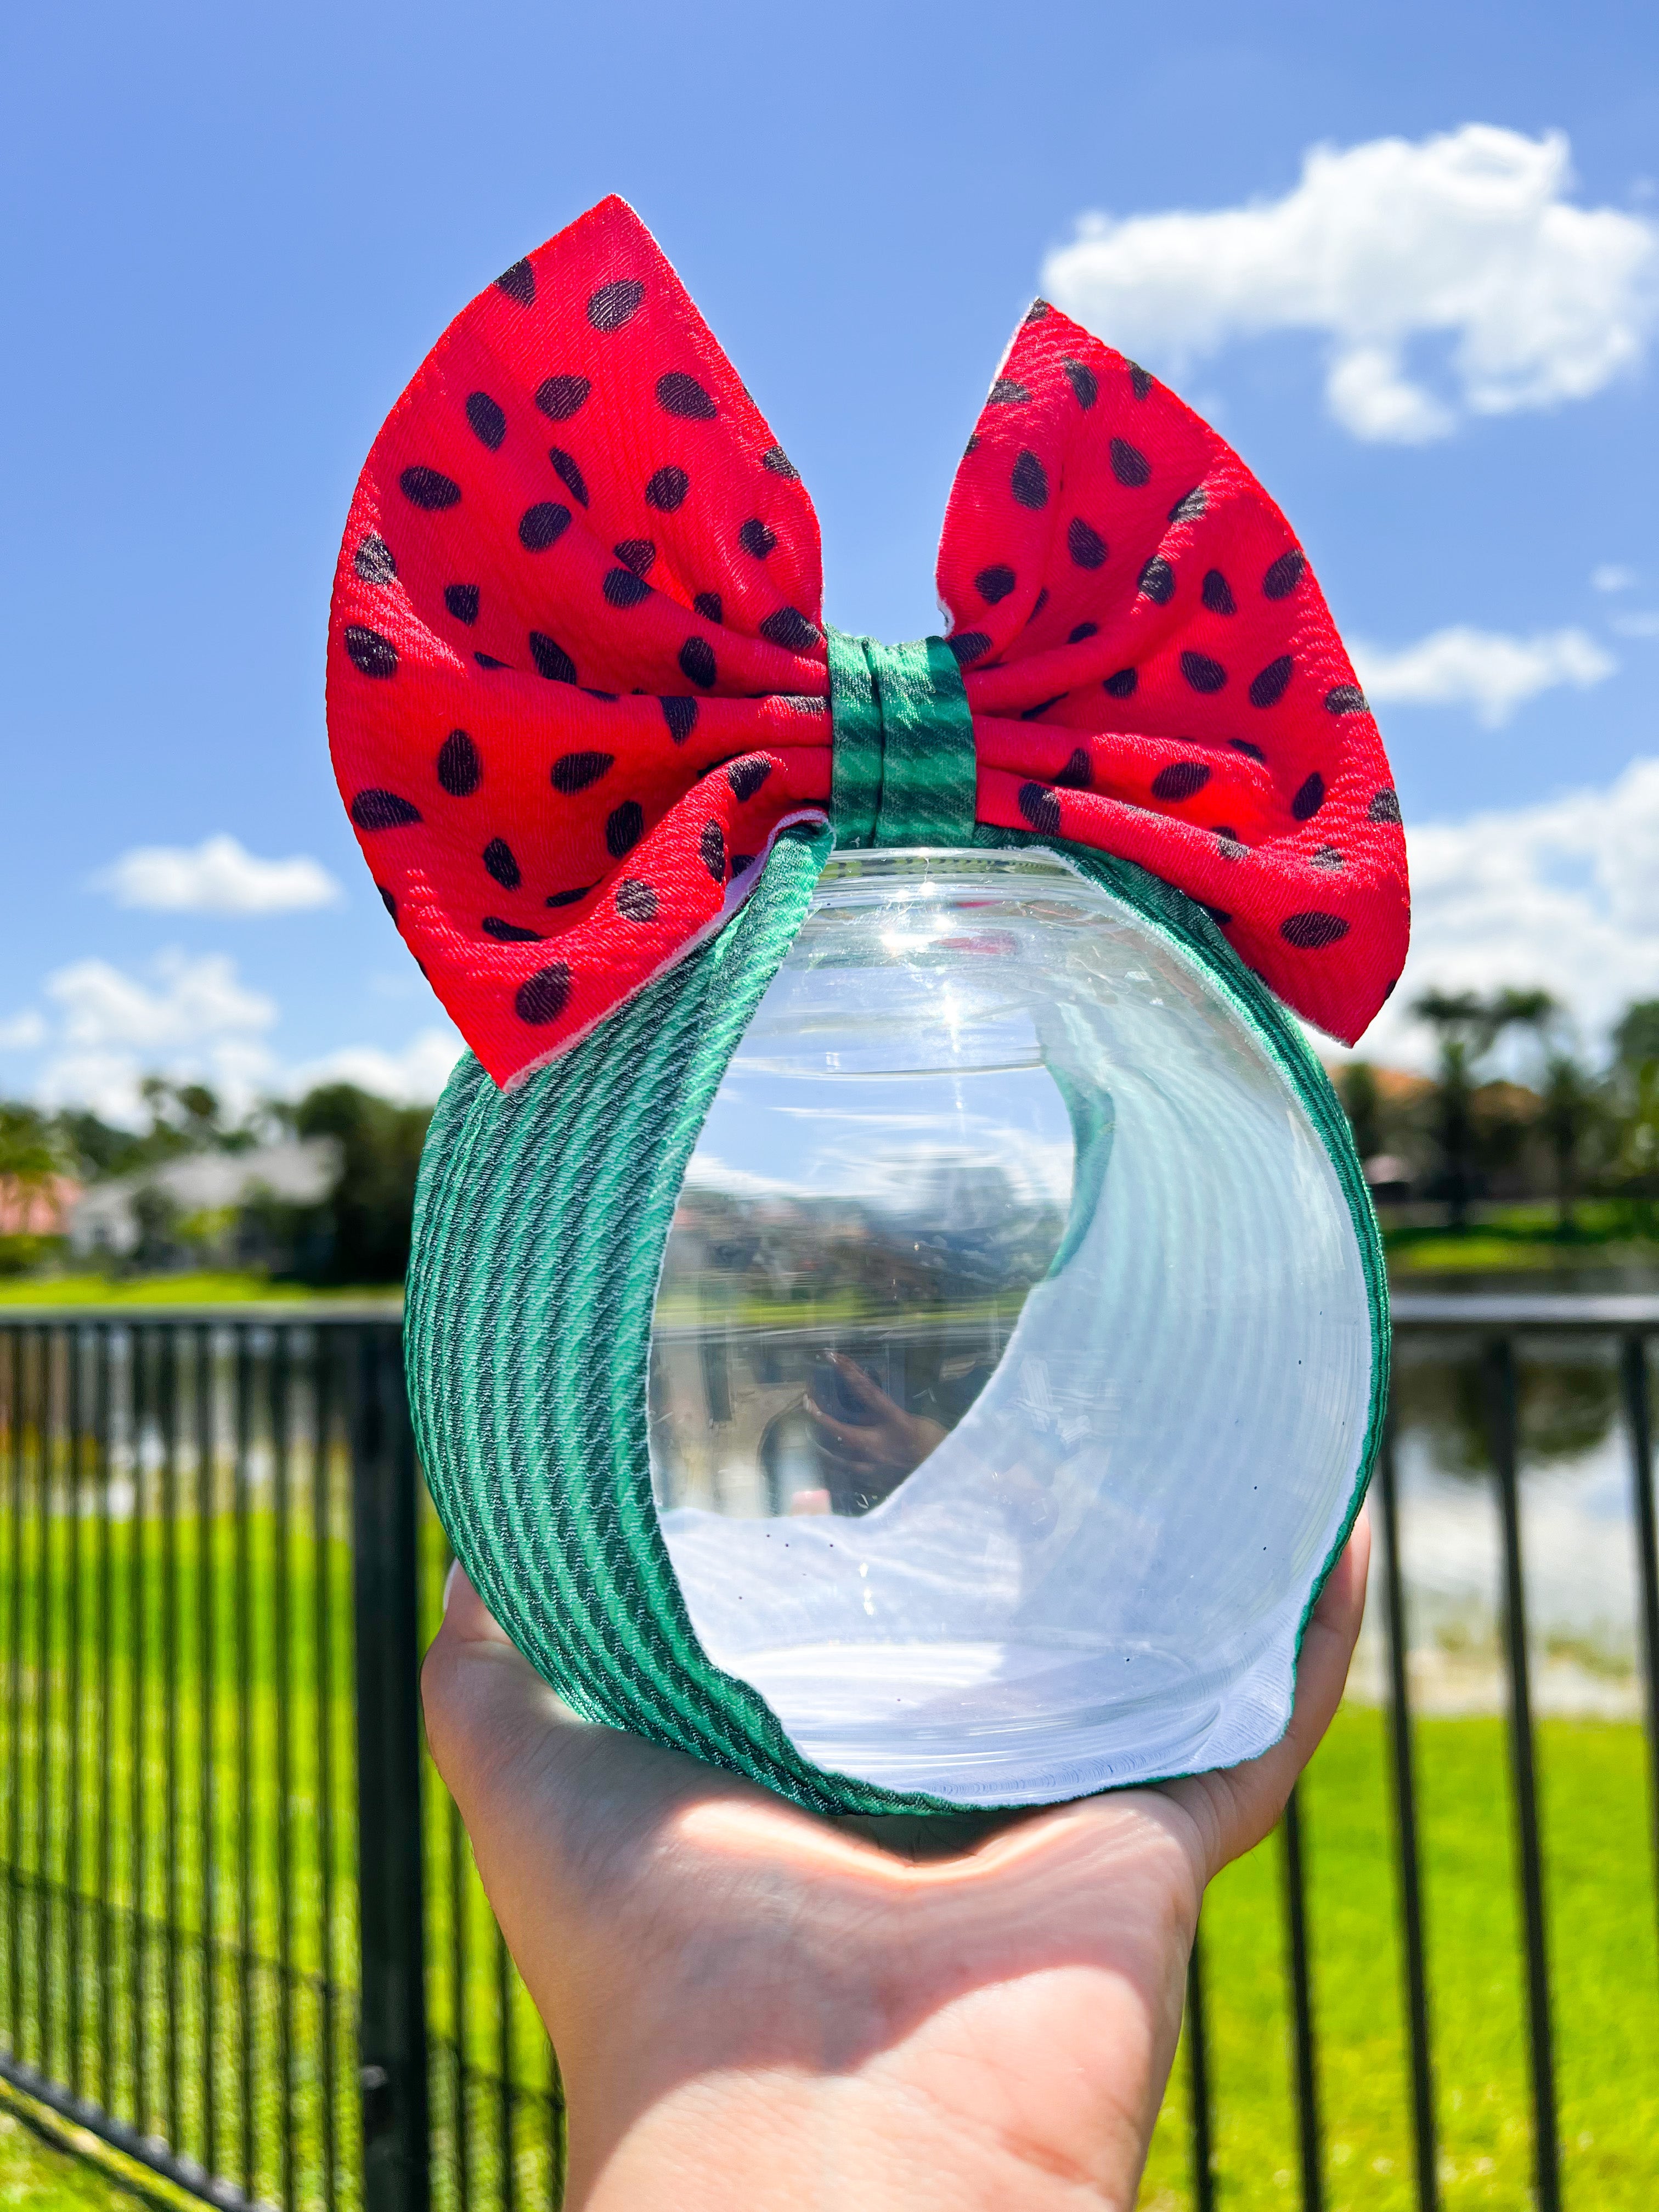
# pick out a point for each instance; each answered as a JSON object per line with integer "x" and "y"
{"x": 392, "y": 2029}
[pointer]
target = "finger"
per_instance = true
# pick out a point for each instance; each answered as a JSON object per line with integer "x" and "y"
{"x": 1236, "y": 1807}
{"x": 862, "y": 1386}
{"x": 466, "y": 1616}
{"x": 856, "y": 1442}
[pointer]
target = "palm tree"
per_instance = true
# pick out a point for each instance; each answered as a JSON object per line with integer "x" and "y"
{"x": 1467, "y": 1027}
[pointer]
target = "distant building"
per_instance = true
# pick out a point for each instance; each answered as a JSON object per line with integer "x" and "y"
{"x": 200, "y": 1197}
{"x": 36, "y": 1209}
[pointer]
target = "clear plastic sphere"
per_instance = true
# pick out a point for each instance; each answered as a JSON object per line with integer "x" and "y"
{"x": 1011, "y": 1359}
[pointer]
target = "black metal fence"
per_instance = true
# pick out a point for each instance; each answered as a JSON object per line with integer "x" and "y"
{"x": 241, "y": 1936}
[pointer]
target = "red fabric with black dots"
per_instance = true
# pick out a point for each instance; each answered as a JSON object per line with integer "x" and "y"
{"x": 577, "y": 677}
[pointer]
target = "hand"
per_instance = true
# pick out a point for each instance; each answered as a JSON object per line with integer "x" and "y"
{"x": 757, "y": 2010}
{"x": 889, "y": 1440}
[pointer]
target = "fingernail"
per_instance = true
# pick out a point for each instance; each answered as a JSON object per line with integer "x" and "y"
{"x": 449, "y": 1582}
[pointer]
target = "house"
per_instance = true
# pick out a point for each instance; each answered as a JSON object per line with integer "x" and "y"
{"x": 198, "y": 1199}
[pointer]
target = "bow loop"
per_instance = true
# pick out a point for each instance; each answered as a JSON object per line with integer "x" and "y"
{"x": 905, "y": 768}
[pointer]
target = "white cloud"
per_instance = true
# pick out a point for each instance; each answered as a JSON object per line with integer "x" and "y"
{"x": 1645, "y": 625}
{"x": 1466, "y": 239}
{"x": 414, "y": 1076}
{"x": 1564, "y": 894}
{"x": 1484, "y": 670}
{"x": 22, "y": 1032}
{"x": 192, "y": 1002}
{"x": 1610, "y": 577}
{"x": 215, "y": 877}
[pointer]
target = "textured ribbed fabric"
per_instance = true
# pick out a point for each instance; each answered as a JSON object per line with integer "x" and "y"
{"x": 903, "y": 769}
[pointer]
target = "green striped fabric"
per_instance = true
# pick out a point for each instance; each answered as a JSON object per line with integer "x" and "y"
{"x": 904, "y": 770}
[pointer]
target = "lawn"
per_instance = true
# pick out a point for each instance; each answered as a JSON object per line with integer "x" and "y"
{"x": 239, "y": 1594}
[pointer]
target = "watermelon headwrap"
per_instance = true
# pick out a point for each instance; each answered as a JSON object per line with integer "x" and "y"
{"x": 597, "y": 740}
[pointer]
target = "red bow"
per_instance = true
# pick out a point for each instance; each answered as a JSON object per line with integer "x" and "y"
{"x": 577, "y": 676}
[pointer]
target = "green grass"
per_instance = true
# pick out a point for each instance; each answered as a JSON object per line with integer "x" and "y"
{"x": 200, "y": 1288}
{"x": 1529, "y": 1238}
{"x": 1604, "y": 1953}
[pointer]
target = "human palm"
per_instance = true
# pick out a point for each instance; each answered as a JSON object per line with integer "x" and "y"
{"x": 755, "y": 2008}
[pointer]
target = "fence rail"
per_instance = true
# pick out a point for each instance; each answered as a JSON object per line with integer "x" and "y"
{"x": 240, "y": 1935}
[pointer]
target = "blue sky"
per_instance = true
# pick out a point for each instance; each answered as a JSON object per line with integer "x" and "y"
{"x": 231, "y": 233}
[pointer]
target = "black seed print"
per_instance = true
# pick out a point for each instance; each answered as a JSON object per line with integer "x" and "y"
{"x": 500, "y": 862}
{"x": 552, "y": 658}
{"x": 543, "y": 525}
{"x": 508, "y": 932}
{"x": 1075, "y": 774}
{"x": 681, "y": 715}
{"x": 372, "y": 559}
{"x": 1326, "y": 857}
{"x": 462, "y": 600}
{"x": 1037, "y": 310}
{"x": 968, "y": 646}
{"x": 1310, "y": 798}
{"x": 1231, "y": 847}
{"x": 779, "y": 462}
{"x": 667, "y": 488}
{"x": 636, "y": 901}
{"x": 1041, "y": 808}
{"x": 1218, "y": 915}
{"x": 1346, "y": 699}
{"x": 707, "y": 604}
{"x": 543, "y": 998}
{"x": 489, "y": 424}
{"x": 741, "y": 863}
{"x": 1038, "y": 605}
{"x": 488, "y": 661}
{"x": 746, "y": 776}
{"x": 1267, "y": 688}
{"x": 1243, "y": 745}
{"x": 1190, "y": 506}
{"x": 610, "y": 697}
{"x": 1006, "y": 393}
{"x": 375, "y": 809}
{"x": 682, "y": 395}
{"x": 622, "y": 588}
{"x": 569, "y": 473}
{"x": 1312, "y": 929}
{"x": 1157, "y": 580}
{"x": 799, "y": 702}
{"x": 972, "y": 446}
{"x": 1201, "y": 672}
{"x": 613, "y": 305}
{"x": 1083, "y": 630}
{"x": 711, "y": 850}
{"x": 1035, "y": 714}
{"x": 1140, "y": 380}
{"x": 1029, "y": 482}
{"x": 1121, "y": 684}
{"x": 574, "y": 772}
{"x": 371, "y": 653}
{"x": 790, "y": 629}
{"x": 1283, "y": 577}
{"x": 568, "y": 898}
{"x": 1085, "y": 544}
{"x": 519, "y": 282}
{"x": 623, "y": 828}
{"x": 559, "y": 397}
{"x": 636, "y": 553}
{"x": 387, "y": 901}
{"x": 1130, "y": 465}
{"x": 428, "y": 488}
{"x": 1384, "y": 807}
{"x": 697, "y": 661}
{"x": 994, "y": 583}
{"x": 756, "y": 539}
{"x": 460, "y": 771}
{"x": 1180, "y": 780}
{"x": 1083, "y": 381}
{"x": 1218, "y": 594}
